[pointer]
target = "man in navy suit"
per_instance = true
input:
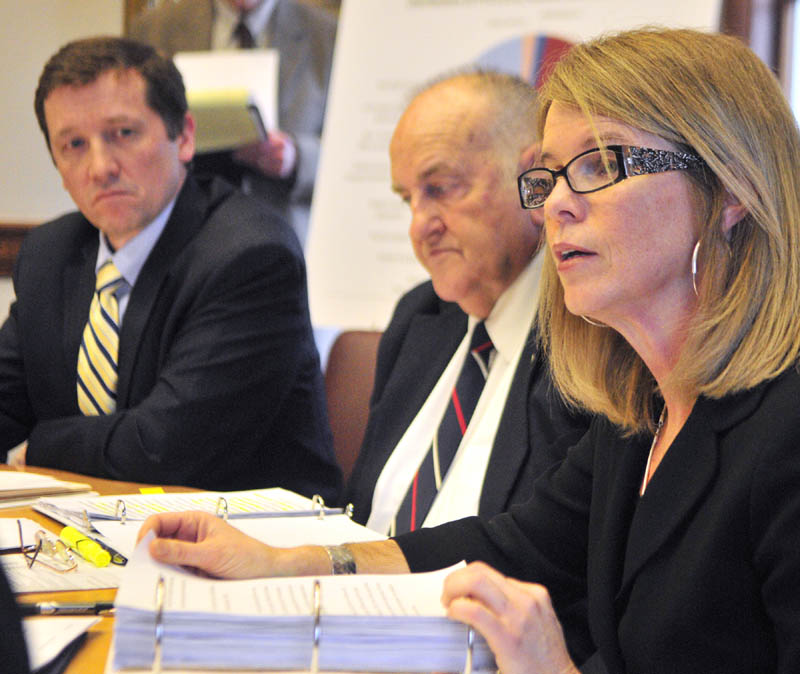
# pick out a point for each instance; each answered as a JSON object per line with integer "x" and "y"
{"x": 217, "y": 382}
{"x": 455, "y": 155}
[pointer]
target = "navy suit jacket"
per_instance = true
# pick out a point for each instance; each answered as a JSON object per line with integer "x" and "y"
{"x": 534, "y": 431}
{"x": 699, "y": 575}
{"x": 219, "y": 380}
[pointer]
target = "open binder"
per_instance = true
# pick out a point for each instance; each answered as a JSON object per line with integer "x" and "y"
{"x": 380, "y": 623}
{"x": 271, "y": 502}
{"x": 275, "y": 516}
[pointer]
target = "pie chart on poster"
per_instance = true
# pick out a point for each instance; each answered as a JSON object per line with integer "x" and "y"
{"x": 530, "y": 57}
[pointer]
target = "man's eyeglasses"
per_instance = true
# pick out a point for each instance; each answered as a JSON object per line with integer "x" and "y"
{"x": 598, "y": 168}
{"x": 47, "y": 551}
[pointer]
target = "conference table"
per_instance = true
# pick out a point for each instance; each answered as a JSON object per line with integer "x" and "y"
{"x": 92, "y": 656}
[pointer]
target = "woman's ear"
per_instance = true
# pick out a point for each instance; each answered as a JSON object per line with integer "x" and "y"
{"x": 732, "y": 212}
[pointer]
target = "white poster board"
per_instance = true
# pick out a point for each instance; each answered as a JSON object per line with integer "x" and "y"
{"x": 359, "y": 258}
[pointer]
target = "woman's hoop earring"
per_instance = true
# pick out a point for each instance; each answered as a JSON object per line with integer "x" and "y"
{"x": 594, "y": 323}
{"x": 694, "y": 266}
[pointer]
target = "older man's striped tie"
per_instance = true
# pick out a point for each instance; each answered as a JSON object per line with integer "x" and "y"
{"x": 463, "y": 400}
{"x": 97, "y": 358}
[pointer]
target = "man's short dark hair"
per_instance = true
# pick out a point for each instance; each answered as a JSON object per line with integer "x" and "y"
{"x": 81, "y": 62}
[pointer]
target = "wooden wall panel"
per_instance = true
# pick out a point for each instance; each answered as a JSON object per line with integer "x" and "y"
{"x": 11, "y": 235}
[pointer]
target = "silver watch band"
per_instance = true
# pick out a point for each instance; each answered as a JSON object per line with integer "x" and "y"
{"x": 342, "y": 561}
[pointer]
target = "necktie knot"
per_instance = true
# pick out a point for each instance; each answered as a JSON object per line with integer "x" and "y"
{"x": 481, "y": 347}
{"x": 108, "y": 278}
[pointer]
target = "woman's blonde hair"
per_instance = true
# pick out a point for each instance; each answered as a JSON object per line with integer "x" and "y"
{"x": 711, "y": 95}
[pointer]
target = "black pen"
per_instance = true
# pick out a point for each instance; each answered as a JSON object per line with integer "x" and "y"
{"x": 89, "y": 529}
{"x": 116, "y": 557}
{"x": 66, "y": 608}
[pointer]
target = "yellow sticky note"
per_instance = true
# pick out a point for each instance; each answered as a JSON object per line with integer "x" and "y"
{"x": 151, "y": 490}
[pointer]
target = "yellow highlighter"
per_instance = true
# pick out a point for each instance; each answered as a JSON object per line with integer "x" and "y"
{"x": 87, "y": 548}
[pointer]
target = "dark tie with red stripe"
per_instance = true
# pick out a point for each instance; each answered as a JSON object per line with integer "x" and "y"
{"x": 464, "y": 398}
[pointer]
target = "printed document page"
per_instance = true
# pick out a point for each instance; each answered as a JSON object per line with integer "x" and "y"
{"x": 363, "y": 622}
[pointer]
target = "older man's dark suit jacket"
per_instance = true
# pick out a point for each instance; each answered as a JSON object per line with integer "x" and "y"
{"x": 535, "y": 428}
{"x": 219, "y": 381}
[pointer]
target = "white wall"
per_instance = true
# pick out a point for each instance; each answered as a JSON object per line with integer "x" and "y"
{"x": 31, "y": 31}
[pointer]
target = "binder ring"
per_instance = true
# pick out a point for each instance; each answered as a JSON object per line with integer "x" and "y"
{"x": 470, "y": 643}
{"x": 160, "y": 591}
{"x": 348, "y": 510}
{"x": 317, "y": 603}
{"x": 318, "y": 502}
{"x": 120, "y": 511}
{"x": 222, "y": 508}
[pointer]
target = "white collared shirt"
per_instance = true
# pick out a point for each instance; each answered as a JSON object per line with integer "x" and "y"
{"x": 226, "y": 18}
{"x": 509, "y": 326}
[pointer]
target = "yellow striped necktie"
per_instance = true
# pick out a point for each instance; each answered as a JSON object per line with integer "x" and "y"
{"x": 97, "y": 358}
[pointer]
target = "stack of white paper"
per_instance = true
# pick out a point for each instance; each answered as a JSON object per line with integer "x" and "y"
{"x": 366, "y": 623}
{"x": 19, "y": 488}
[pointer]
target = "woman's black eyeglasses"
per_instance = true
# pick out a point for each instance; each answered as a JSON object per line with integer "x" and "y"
{"x": 599, "y": 168}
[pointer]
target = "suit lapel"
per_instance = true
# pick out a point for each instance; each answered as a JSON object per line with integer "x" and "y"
{"x": 188, "y": 216}
{"x": 683, "y": 478}
{"x": 512, "y": 435}
{"x": 679, "y": 483}
{"x": 627, "y": 531}
{"x": 79, "y": 275}
{"x": 427, "y": 348}
{"x": 617, "y": 474}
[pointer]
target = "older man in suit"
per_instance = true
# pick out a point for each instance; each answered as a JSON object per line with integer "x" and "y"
{"x": 282, "y": 168}
{"x": 455, "y": 156}
{"x": 160, "y": 334}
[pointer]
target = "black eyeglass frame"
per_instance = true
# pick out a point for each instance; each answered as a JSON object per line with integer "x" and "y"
{"x": 634, "y": 161}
